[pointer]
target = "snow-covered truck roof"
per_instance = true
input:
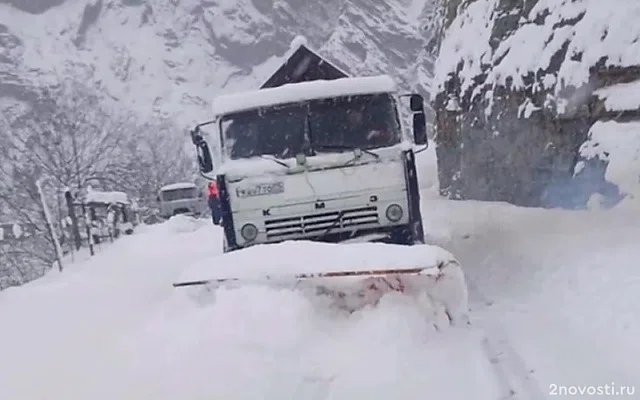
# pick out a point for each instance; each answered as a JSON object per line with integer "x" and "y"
{"x": 302, "y": 91}
{"x": 178, "y": 185}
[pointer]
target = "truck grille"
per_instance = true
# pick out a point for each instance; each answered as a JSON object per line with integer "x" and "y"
{"x": 317, "y": 224}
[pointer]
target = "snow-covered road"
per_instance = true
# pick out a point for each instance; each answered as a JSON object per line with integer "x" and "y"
{"x": 554, "y": 302}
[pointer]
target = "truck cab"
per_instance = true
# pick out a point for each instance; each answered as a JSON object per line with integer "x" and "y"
{"x": 323, "y": 160}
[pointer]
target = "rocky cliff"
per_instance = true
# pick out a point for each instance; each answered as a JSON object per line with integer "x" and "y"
{"x": 517, "y": 86}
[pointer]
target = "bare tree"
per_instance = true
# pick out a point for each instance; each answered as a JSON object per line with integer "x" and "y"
{"x": 68, "y": 138}
{"x": 158, "y": 153}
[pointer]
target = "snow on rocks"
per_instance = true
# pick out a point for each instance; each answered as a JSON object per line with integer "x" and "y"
{"x": 617, "y": 144}
{"x": 600, "y": 31}
{"x": 466, "y": 41}
{"x": 620, "y": 97}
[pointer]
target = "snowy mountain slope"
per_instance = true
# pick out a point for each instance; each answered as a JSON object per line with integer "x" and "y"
{"x": 173, "y": 57}
{"x": 115, "y": 328}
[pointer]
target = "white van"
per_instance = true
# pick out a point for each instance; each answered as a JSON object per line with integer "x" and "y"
{"x": 181, "y": 198}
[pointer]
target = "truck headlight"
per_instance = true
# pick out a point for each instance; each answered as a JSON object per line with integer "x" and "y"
{"x": 249, "y": 232}
{"x": 394, "y": 213}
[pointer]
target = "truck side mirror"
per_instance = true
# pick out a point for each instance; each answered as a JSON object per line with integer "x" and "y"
{"x": 205, "y": 161}
{"x": 416, "y": 103}
{"x": 196, "y": 137}
{"x": 204, "y": 157}
{"x": 420, "y": 129}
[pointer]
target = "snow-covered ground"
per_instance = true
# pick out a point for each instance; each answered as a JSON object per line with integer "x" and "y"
{"x": 553, "y": 297}
{"x": 114, "y": 327}
{"x": 562, "y": 286}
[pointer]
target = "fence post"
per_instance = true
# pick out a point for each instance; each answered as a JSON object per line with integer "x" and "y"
{"x": 49, "y": 224}
{"x": 89, "y": 228}
{"x": 74, "y": 219}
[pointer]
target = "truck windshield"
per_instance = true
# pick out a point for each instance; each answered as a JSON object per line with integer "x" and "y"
{"x": 334, "y": 124}
{"x": 365, "y": 122}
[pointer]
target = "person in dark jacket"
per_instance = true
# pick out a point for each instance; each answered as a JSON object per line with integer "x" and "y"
{"x": 214, "y": 202}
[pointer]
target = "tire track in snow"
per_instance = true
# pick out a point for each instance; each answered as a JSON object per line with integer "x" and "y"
{"x": 511, "y": 370}
{"x": 513, "y": 375}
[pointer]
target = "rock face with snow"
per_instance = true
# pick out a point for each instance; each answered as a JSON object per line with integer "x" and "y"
{"x": 517, "y": 91}
{"x": 172, "y": 57}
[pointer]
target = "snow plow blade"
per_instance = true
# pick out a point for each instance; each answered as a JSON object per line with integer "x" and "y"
{"x": 343, "y": 272}
{"x": 332, "y": 274}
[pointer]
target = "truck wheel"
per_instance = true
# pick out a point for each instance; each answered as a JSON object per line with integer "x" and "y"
{"x": 402, "y": 235}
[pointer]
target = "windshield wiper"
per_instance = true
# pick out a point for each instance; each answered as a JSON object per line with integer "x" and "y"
{"x": 275, "y": 160}
{"x": 331, "y": 146}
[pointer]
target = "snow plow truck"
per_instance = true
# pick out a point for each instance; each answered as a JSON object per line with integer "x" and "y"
{"x": 319, "y": 189}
